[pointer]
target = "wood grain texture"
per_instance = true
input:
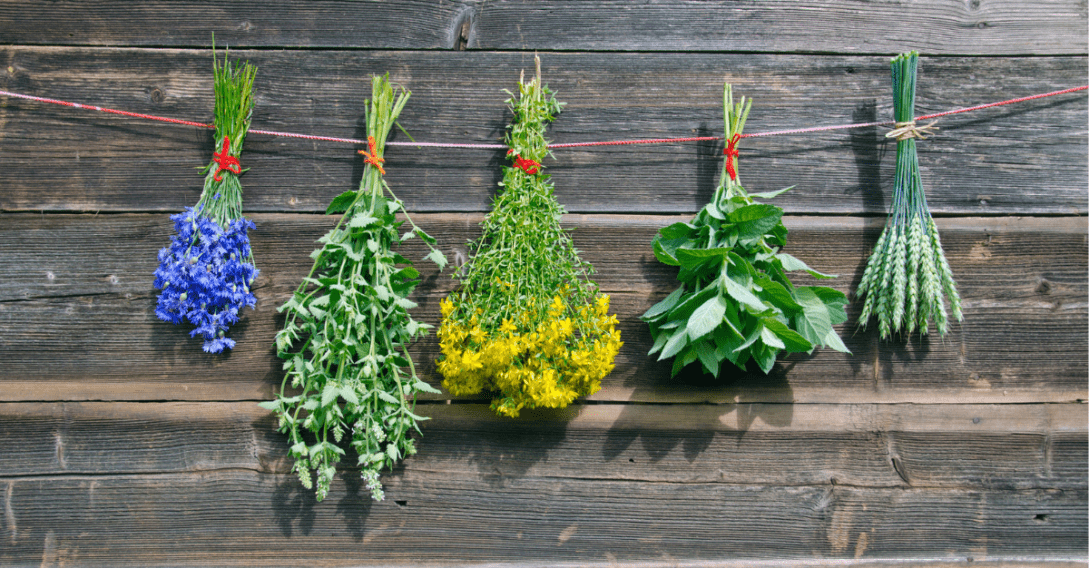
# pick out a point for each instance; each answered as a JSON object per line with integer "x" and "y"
{"x": 933, "y": 26}
{"x": 242, "y": 517}
{"x": 87, "y": 307}
{"x": 1025, "y": 159}
{"x": 994, "y": 447}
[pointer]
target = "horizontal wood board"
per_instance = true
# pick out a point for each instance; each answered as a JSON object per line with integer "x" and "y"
{"x": 92, "y": 306}
{"x": 128, "y": 446}
{"x": 1022, "y": 159}
{"x": 934, "y": 26}
{"x": 832, "y": 480}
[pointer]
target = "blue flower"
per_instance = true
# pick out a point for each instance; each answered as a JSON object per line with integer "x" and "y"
{"x": 205, "y": 276}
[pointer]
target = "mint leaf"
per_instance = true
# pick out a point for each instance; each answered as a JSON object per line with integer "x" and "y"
{"x": 771, "y": 194}
{"x": 756, "y": 219}
{"x": 815, "y": 321}
{"x": 665, "y": 305}
{"x": 706, "y": 318}
{"x": 341, "y": 203}
{"x": 676, "y": 342}
{"x": 741, "y": 293}
{"x": 437, "y": 257}
{"x": 792, "y": 341}
{"x": 790, "y": 264}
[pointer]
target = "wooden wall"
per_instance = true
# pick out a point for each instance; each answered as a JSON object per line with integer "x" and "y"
{"x": 125, "y": 445}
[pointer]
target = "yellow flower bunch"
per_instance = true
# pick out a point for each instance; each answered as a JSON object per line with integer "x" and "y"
{"x": 526, "y": 322}
{"x": 542, "y": 358}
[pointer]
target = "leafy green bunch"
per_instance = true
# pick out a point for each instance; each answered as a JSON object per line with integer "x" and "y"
{"x": 907, "y": 274}
{"x": 347, "y": 327}
{"x": 735, "y": 302}
{"x": 526, "y": 321}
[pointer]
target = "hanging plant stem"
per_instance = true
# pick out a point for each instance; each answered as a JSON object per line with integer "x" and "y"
{"x": 907, "y": 276}
{"x": 526, "y": 321}
{"x": 735, "y": 302}
{"x": 347, "y": 328}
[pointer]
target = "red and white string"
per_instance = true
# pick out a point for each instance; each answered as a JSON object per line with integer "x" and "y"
{"x": 551, "y": 146}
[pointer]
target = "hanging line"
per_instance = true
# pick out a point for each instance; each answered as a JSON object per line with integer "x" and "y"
{"x": 551, "y": 146}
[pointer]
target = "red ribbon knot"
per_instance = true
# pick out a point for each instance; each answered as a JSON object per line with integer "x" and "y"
{"x": 225, "y": 162}
{"x": 372, "y": 156}
{"x": 528, "y": 166}
{"x": 731, "y": 154}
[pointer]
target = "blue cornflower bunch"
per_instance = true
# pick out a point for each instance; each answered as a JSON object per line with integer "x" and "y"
{"x": 205, "y": 276}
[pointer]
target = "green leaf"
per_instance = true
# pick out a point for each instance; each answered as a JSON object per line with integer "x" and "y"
{"x": 676, "y": 342}
{"x": 771, "y": 194}
{"x": 273, "y": 405}
{"x": 677, "y": 231}
{"x": 756, "y": 219}
{"x": 750, "y": 338}
{"x": 693, "y": 257}
{"x": 710, "y": 361}
{"x": 835, "y": 300}
{"x": 437, "y": 257}
{"x": 665, "y": 305}
{"x": 792, "y": 340}
{"x": 663, "y": 255}
{"x": 422, "y": 386}
{"x": 727, "y": 341}
{"x": 814, "y": 323}
{"x": 388, "y": 397}
{"x": 659, "y": 341}
{"x": 777, "y": 294}
{"x": 765, "y": 357}
{"x": 741, "y": 293}
{"x": 693, "y": 301}
{"x": 329, "y": 394}
{"x": 341, "y": 203}
{"x": 348, "y": 393}
{"x": 406, "y": 303}
{"x": 790, "y": 264}
{"x": 706, "y": 318}
{"x": 361, "y": 221}
{"x": 770, "y": 339}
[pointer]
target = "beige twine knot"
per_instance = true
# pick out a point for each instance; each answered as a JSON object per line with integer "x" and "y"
{"x": 906, "y": 130}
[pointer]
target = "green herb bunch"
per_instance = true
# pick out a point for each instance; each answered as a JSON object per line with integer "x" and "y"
{"x": 907, "y": 274}
{"x": 735, "y": 302}
{"x": 526, "y": 321}
{"x": 344, "y": 339}
{"x": 221, "y": 199}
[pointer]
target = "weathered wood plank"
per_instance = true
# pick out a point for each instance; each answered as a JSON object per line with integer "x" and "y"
{"x": 78, "y": 319}
{"x": 1002, "y": 447}
{"x": 412, "y": 24}
{"x": 245, "y": 517}
{"x": 1016, "y": 160}
{"x": 951, "y": 26}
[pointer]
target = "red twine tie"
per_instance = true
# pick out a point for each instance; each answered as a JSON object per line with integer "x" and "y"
{"x": 372, "y": 156}
{"x": 731, "y": 154}
{"x": 225, "y": 162}
{"x": 528, "y": 166}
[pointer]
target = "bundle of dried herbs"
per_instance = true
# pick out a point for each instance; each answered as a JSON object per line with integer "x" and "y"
{"x": 907, "y": 276}
{"x": 735, "y": 302}
{"x": 206, "y": 273}
{"x": 526, "y": 321}
{"x": 347, "y": 327}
